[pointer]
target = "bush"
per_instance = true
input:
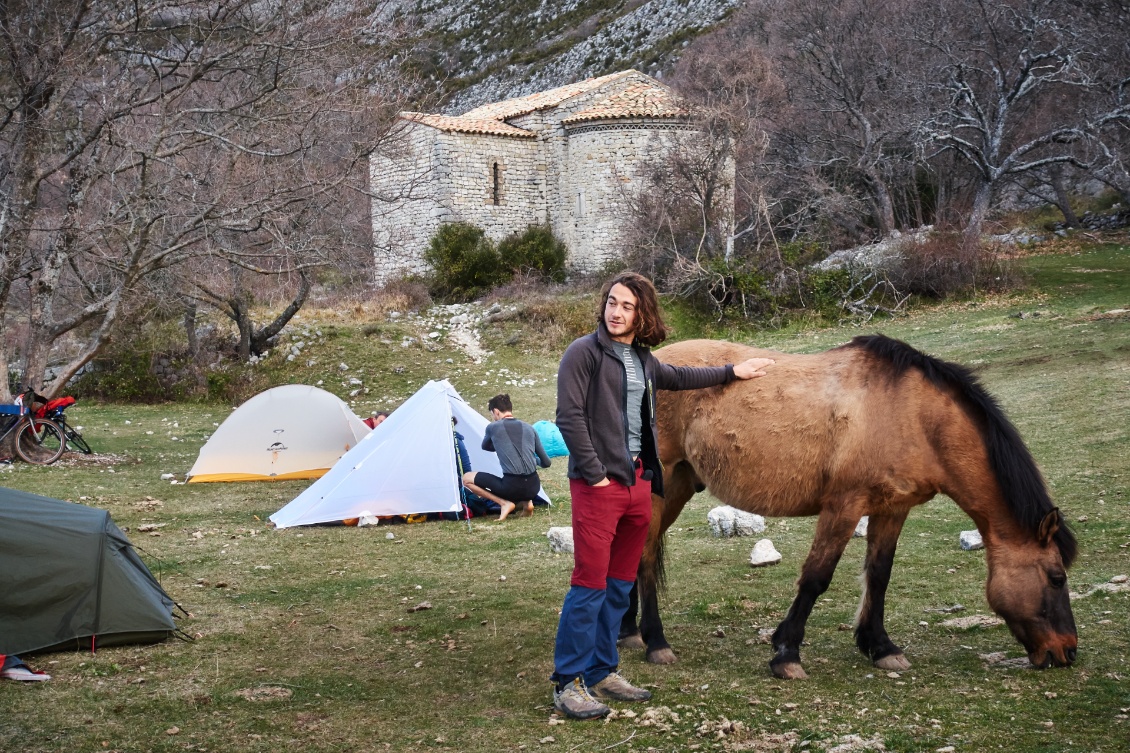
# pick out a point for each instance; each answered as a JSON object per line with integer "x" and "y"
{"x": 125, "y": 376}
{"x": 537, "y": 251}
{"x": 946, "y": 264}
{"x": 465, "y": 264}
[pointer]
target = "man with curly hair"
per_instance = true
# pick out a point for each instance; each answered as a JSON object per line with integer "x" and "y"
{"x": 606, "y": 413}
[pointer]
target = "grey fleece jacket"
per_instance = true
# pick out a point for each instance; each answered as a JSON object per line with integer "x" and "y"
{"x": 591, "y": 407}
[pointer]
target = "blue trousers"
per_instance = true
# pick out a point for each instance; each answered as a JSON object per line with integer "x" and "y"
{"x": 587, "y": 632}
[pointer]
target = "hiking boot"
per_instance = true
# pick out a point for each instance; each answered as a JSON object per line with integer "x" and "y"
{"x": 575, "y": 702}
{"x": 616, "y": 688}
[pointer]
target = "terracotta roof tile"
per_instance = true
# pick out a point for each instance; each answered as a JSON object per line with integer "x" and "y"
{"x": 513, "y": 108}
{"x": 463, "y": 124}
{"x": 638, "y": 100}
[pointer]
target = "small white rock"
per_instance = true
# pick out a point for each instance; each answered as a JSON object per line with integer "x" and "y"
{"x": 167, "y": 476}
{"x": 1119, "y": 579}
{"x": 971, "y": 540}
{"x": 764, "y": 553}
{"x": 560, "y": 538}
{"x": 860, "y": 529}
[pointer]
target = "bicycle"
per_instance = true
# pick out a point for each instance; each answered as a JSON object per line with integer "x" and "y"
{"x": 39, "y": 441}
{"x": 53, "y": 410}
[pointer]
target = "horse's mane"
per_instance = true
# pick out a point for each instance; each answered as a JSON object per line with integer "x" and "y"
{"x": 1016, "y": 472}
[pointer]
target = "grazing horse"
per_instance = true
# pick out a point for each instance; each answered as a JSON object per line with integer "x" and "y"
{"x": 871, "y": 428}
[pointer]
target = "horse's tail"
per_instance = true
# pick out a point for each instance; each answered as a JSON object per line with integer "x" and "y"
{"x": 1015, "y": 470}
{"x": 654, "y": 577}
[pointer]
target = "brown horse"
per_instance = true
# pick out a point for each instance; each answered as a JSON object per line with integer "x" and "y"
{"x": 870, "y": 428}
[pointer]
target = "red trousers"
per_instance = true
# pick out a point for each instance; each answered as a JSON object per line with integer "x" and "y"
{"x": 610, "y": 526}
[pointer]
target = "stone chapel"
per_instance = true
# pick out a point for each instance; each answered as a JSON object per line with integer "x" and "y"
{"x": 567, "y": 157}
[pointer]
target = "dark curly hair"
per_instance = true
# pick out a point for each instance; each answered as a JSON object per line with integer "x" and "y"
{"x": 650, "y": 328}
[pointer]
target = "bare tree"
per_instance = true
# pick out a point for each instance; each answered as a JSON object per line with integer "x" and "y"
{"x": 846, "y": 65}
{"x": 1010, "y": 78}
{"x": 134, "y": 136}
{"x": 1105, "y": 22}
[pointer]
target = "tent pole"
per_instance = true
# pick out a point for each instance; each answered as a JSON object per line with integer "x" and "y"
{"x": 462, "y": 489}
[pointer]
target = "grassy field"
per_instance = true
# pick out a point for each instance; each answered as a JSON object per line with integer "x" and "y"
{"x": 305, "y": 641}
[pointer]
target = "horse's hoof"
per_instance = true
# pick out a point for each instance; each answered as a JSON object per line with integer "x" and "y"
{"x": 789, "y": 671}
{"x": 662, "y": 656}
{"x": 631, "y": 641}
{"x": 893, "y": 662}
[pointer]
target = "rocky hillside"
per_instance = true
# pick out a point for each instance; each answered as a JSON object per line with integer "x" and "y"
{"x": 484, "y": 54}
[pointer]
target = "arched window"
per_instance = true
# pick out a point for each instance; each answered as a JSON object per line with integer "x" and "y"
{"x": 496, "y": 185}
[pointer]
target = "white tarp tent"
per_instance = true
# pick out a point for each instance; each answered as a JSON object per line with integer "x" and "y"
{"x": 406, "y": 465}
{"x": 287, "y": 432}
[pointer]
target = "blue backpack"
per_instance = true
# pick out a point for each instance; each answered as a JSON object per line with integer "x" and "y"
{"x": 551, "y": 439}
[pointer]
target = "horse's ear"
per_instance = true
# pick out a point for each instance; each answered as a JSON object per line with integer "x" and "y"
{"x": 1049, "y": 525}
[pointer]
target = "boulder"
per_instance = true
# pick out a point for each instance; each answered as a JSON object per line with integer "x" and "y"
{"x": 860, "y": 529}
{"x": 729, "y": 521}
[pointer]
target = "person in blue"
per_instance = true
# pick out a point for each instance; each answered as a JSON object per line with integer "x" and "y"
{"x": 476, "y": 504}
{"x": 519, "y": 451}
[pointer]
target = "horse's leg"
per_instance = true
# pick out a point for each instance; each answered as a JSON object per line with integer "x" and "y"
{"x": 833, "y": 531}
{"x": 870, "y": 634}
{"x": 679, "y": 486}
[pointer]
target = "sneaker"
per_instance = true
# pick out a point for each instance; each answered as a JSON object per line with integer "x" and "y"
{"x": 616, "y": 688}
{"x": 24, "y": 675}
{"x": 575, "y": 702}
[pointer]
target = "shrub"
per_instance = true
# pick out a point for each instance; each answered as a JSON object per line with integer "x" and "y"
{"x": 946, "y": 264}
{"x": 125, "y": 376}
{"x": 465, "y": 264}
{"x": 536, "y": 250}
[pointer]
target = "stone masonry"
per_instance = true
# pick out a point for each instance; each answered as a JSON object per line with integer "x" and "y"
{"x": 570, "y": 157}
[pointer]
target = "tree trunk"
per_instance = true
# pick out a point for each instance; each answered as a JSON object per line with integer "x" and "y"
{"x": 259, "y": 340}
{"x": 1055, "y": 175}
{"x": 190, "y": 328}
{"x": 980, "y": 210}
{"x": 881, "y": 201}
{"x": 242, "y": 318}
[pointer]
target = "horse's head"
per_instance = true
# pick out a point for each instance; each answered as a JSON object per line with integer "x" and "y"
{"x": 1027, "y": 586}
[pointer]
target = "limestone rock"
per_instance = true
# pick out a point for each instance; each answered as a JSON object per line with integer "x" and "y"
{"x": 860, "y": 529}
{"x": 764, "y": 553}
{"x": 729, "y": 521}
{"x": 560, "y": 538}
{"x": 971, "y": 540}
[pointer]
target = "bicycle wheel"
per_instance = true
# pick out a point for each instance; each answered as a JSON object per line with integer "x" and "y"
{"x": 76, "y": 442}
{"x": 40, "y": 441}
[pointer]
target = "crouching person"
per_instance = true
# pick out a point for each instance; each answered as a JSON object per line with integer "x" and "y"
{"x": 519, "y": 451}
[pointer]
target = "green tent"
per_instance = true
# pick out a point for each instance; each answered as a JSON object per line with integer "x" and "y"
{"x": 71, "y": 579}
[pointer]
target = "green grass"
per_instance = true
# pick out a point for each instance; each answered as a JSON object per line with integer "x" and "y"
{"x": 316, "y": 620}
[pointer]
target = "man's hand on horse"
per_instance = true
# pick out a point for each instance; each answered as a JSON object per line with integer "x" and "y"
{"x": 754, "y": 367}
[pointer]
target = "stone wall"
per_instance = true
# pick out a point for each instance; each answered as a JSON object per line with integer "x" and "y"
{"x": 603, "y": 166}
{"x": 432, "y": 177}
{"x": 407, "y": 205}
{"x": 494, "y": 182}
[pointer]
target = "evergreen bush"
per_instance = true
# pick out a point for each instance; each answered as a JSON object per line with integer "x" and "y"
{"x": 535, "y": 250}
{"x": 464, "y": 262}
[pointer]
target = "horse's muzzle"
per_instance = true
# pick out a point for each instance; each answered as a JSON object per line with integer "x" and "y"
{"x": 1051, "y": 657}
